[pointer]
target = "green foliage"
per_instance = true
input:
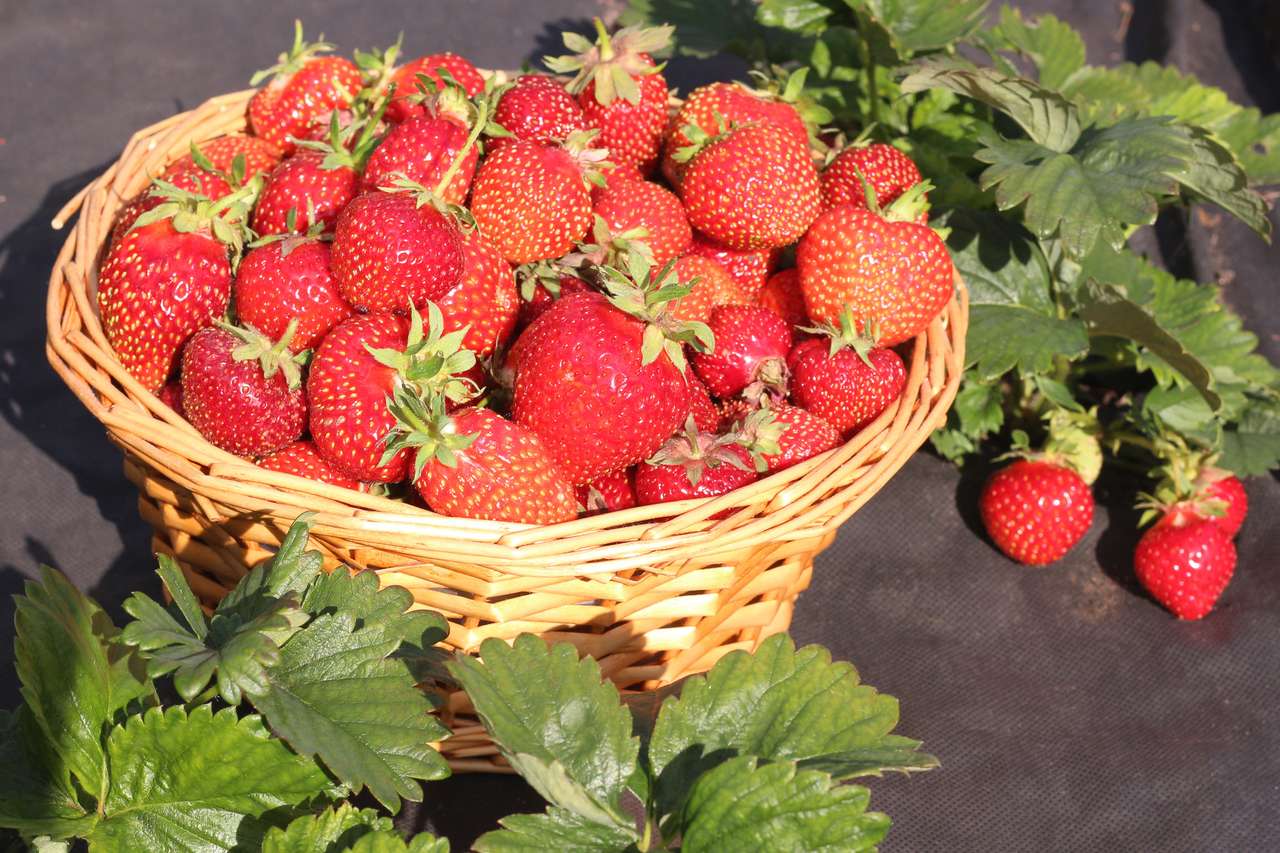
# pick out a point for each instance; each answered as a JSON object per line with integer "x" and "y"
{"x": 343, "y": 829}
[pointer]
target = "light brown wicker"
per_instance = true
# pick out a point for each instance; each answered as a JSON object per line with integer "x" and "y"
{"x": 651, "y": 596}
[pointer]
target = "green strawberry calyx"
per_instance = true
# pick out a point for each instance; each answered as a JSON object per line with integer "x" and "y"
{"x": 225, "y": 219}
{"x": 545, "y": 274}
{"x": 591, "y": 161}
{"x": 273, "y": 356}
{"x": 609, "y": 248}
{"x": 339, "y": 151}
{"x": 612, "y": 62}
{"x": 377, "y": 66}
{"x": 697, "y": 451}
{"x": 1182, "y": 480}
{"x": 781, "y": 84}
{"x": 907, "y": 207}
{"x": 699, "y": 139}
{"x": 648, "y": 297}
{"x": 293, "y": 59}
{"x": 424, "y": 426}
{"x": 234, "y": 177}
{"x": 848, "y": 336}
{"x": 760, "y": 433}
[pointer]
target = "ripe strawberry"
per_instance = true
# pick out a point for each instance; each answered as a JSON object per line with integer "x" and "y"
{"x": 753, "y": 187}
{"x": 601, "y": 379}
{"x": 752, "y": 344}
{"x": 301, "y": 460}
{"x": 541, "y": 284}
{"x": 706, "y": 417}
{"x": 403, "y": 105}
{"x": 476, "y": 464}
{"x": 167, "y": 278}
{"x": 730, "y": 103}
{"x": 711, "y": 286}
{"x": 888, "y": 171}
{"x": 844, "y": 380}
{"x": 484, "y": 301}
{"x": 391, "y": 249}
{"x": 780, "y": 435}
{"x": 693, "y": 464}
{"x": 242, "y": 391}
{"x": 302, "y": 191}
{"x": 304, "y": 89}
{"x": 423, "y": 148}
{"x": 532, "y": 200}
{"x": 220, "y": 153}
{"x": 289, "y": 280}
{"x": 1230, "y": 503}
{"x": 888, "y": 270}
{"x": 750, "y": 268}
{"x": 1185, "y": 563}
{"x": 538, "y": 108}
{"x": 171, "y": 395}
{"x": 645, "y": 212}
{"x": 1036, "y": 510}
{"x": 620, "y": 89}
{"x": 608, "y": 493}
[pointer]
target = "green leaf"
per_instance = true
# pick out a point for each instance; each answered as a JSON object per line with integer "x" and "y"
{"x": 183, "y": 598}
{"x": 707, "y": 27}
{"x": 1185, "y": 412}
{"x": 1252, "y": 447}
{"x": 73, "y": 682}
{"x": 542, "y": 701}
{"x": 978, "y": 411}
{"x": 918, "y": 26}
{"x": 742, "y": 806}
{"x": 1053, "y": 46}
{"x": 33, "y": 800}
{"x": 778, "y": 704}
{"x": 292, "y": 569}
{"x": 555, "y": 829}
{"x": 200, "y": 782}
{"x": 334, "y": 830}
{"x": 803, "y": 16}
{"x": 552, "y": 781}
{"x": 1213, "y": 174}
{"x": 390, "y": 842}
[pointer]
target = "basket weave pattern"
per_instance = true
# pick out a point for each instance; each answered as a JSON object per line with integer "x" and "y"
{"x": 653, "y": 596}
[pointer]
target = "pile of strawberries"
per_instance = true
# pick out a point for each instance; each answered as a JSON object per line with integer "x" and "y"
{"x": 527, "y": 300}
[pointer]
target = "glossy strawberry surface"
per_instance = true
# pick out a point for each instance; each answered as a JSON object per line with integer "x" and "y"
{"x": 665, "y": 483}
{"x": 422, "y": 149}
{"x": 405, "y": 79}
{"x": 1185, "y": 563}
{"x": 538, "y": 108}
{"x": 291, "y": 103}
{"x": 889, "y": 172}
{"x": 804, "y": 435}
{"x": 1230, "y": 502}
{"x": 484, "y": 300}
{"x": 608, "y": 492}
{"x": 783, "y": 296}
{"x": 285, "y": 281}
{"x": 633, "y": 206}
{"x": 712, "y": 287}
{"x": 752, "y": 344}
{"x": 1036, "y": 511}
{"x": 750, "y": 268}
{"x": 841, "y": 388}
{"x": 259, "y": 155}
{"x": 302, "y": 460}
{"x": 302, "y": 185}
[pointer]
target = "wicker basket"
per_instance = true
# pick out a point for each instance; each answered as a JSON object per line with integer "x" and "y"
{"x": 651, "y": 596}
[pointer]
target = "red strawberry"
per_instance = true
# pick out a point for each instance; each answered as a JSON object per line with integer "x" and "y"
{"x": 301, "y": 460}
{"x": 242, "y": 391}
{"x": 888, "y": 270}
{"x": 608, "y": 493}
{"x": 782, "y": 295}
{"x": 541, "y": 284}
{"x": 754, "y": 187}
{"x": 844, "y": 380}
{"x": 538, "y": 108}
{"x": 706, "y": 417}
{"x": 750, "y": 268}
{"x": 171, "y": 395}
{"x": 645, "y": 212}
{"x": 220, "y": 153}
{"x": 1226, "y": 492}
{"x": 888, "y": 171}
{"x": 1036, "y": 510}
{"x": 476, "y": 464}
{"x": 1185, "y": 563}
{"x": 484, "y": 301}
{"x": 532, "y": 200}
{"x": 424, "y": 148}
{"x": 160, "y": 285}
{"x": 601, "y": 379}
{"x": 289, "y": 280}
{"x": 620, "y": 89}
{"x": 693, "y": 464}
{"x": 394, "y": 248}
{"x": 405, "y": 78}
{"x": 304, "y": 89}
{"x": 780, "y": 435}
{"x": 752, "y": 344}
{"x": 711, "y": 286}
{"x": 212, "y": 183}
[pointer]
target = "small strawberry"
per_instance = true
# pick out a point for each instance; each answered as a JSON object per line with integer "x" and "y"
{"x": 220, "y": 153}
{"x": 782, "y": 295}
{"x": 408, "y": 83}
{"x": 710, "y": 287}
{"x": 304, "y": 89}
{"x": 533, "y": 200}
{"x": 289, "y": 281}
{"x": 752, "y": 344}
{"x": 887, "y": 269}
{"x": 620, "y": 89}
{"x": 750, "y": 268}
{"x": 706, "y": 417}
{"x": 780, "y": 435}
{"x": 540, "y": 284}
{"x": 1036, "y": 510}
{"x": 693, "y": 464}
{"x": 242, "y": 391}
{"x": 844, "y": 379}
{"x": 1185, "y": 563}
{"x": 648, "y": 213}
{"x": 1228, "y": 492}
{"x": 484, "y": 301}
{"x": 301, "y": 460}
{"x": 887, "y": 171}
{"x": 608, "y": 493}
{"x": 752, "y": 187}
{"x": 1191, "y": 484}
{"x": 539, "y": 109}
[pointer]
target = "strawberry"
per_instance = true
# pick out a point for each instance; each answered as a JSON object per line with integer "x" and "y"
{"x": 693, "y": 464}
{"x": 600, "y": 379}
{"x": 477, "y": 464}
{"x": 710, "y": 287}
{"x": 242, "y": 391}
{"x": 538, "y": 108}
{"x": 286, "y": 281}
{"x": 781, "y": 435}
{"x": 168, "y": 277}
{"x": 608, "y": 493}
{"x": 750, "y": 268}
{"x": 532, "y": 200}
{"x": 706, "y": 417}
{"x": 782, "y": 295}
{"x": 403, "y": 105}
{"x": 620, "y": 89}
{"x": 888, "y": 172}
{"x": 1227, "y": 494}
{"x": 730, "y": 103}
{"x": 887, "y": 269}
{"x": 219, "y": 154}
{"x": 304, "y": 89}
{"x": 1185, "y": 563}
{"x": 171, "y": 395}
{"x": 391, "y": 249}
{"x": 484, "y": 301}
{"x": 752, "y": 344}
{"x": 423, "y": 148}
{"x": 646, "y": 212}
{"x": 753, "y": 187}
{"x": 541, "y": 284}
{"x": 301, "y": 460}
{"x": 1036, "y": 510}
{"x": 844, "y": 379}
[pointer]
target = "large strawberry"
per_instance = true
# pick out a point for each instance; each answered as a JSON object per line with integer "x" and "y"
{"x": 844, "y": 379}
{"x": 750, "y": 268}
{"x": 168, "y": 277}
{"x": 304, "y": 89}
{"x": 533, "y": 201}
{"x": 887, "y": 171}
{"x": 648, "y": 213}
{"x": 752, "y": 187}
{"x": 484, "y": 301}
{"x": 601, "y": 379}
{"x": 752, "y": 344}
{"x": 289, "y": 281}
{"x": 888, "y": 269}
{"x": 1185, "y": 562}
{"x": 538, "y": 108}
{"x": 1036, "y": 510}
{"x": 710, "y": 287}
{"x": 621, "y": 90}
{"x": 693, "y": 464}
{"x": 301, "y": 460}
{"x": 779, "y": 435}
{"x": 243, "y": 391}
